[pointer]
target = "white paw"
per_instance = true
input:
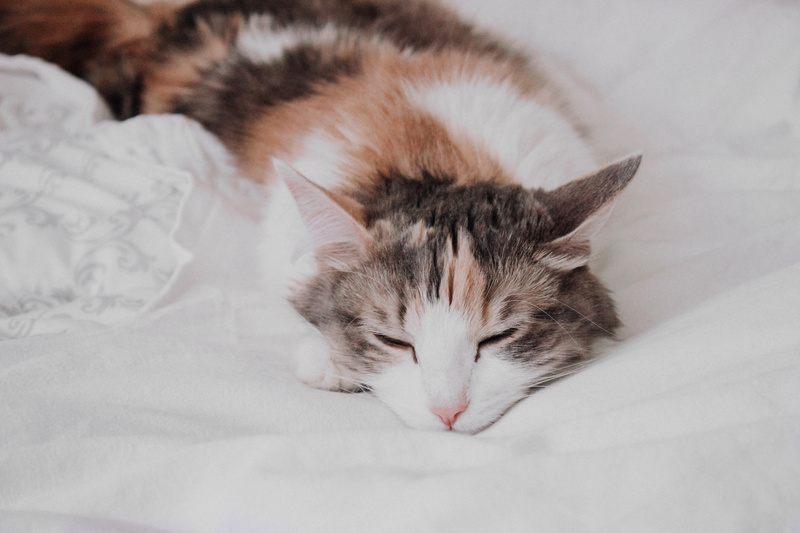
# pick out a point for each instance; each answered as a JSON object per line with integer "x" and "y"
{"x": 313, "y": 365}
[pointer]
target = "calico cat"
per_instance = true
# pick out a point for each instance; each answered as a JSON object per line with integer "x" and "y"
{"x": 407, "y": 156}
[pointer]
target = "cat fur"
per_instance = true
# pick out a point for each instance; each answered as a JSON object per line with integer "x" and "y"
{"x": 431, "y": 201}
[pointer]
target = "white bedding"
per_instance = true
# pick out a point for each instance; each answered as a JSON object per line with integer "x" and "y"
{"x": 157, "y": 399}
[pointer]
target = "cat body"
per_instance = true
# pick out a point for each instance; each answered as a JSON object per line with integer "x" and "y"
{"x": 422, "y": 219}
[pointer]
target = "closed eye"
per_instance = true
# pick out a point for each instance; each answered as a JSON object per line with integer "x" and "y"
{"x": 396, "y": 343}
{"x": 497, "y": 338}
{"x": 494, "y": 339}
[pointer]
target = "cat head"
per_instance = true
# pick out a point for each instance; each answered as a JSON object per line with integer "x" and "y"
{"x": 452, "y": 302}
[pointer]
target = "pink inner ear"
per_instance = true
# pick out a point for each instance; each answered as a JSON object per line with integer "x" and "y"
{"x": 565, "y": 253}
{"x": 335, "y": 234}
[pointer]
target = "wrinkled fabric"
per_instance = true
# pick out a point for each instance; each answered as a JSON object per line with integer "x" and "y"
{"x": 85, "y": 232}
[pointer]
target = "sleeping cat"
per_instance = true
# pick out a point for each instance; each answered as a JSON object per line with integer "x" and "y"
{"x": 407, "y": 156}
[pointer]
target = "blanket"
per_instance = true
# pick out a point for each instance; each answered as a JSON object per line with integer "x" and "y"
{"x": 144, "y": 385}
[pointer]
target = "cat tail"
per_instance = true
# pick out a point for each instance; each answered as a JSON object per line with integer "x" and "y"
{"x": 106, "y": 42}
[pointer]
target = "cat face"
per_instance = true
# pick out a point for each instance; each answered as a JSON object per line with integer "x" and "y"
{"x": 452, "y": 302}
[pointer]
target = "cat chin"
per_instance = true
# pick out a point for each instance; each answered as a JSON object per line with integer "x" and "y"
{"x": 495, "y": 386}
{"x": 469, "y": 423}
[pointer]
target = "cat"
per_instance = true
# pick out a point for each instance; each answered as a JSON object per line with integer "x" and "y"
{"x": 431, "y": 200}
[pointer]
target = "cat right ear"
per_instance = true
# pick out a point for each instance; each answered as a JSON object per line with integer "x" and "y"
{"x": 333, "y": 221}
{"x": 580, "y": 208}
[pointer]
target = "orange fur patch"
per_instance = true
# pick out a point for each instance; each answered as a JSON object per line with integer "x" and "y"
{"x": 463, "y": 283}
{"x": 377, "y": 130}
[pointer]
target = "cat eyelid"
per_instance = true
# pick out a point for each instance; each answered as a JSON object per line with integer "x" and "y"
{"x": 396, "y": 343}
{"x": 497, "y": 337}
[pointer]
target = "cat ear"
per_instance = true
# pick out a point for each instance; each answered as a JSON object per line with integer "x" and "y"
{"x": 580, "y": 208}
{"x": 333, "y": 221}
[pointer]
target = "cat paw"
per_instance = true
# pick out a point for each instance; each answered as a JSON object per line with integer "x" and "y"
{"x": 314, "y": 367}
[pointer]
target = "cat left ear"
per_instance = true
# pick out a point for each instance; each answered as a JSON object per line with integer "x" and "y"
{"x": 580, "y": 208}
{"x": 333, "y": 221}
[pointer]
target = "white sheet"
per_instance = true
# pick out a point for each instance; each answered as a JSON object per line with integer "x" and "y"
{"x": 185, "y": 419}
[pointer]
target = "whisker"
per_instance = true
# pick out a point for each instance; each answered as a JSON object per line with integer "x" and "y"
{"x": 559, "y": 373}
{"x": 363, "y": 387}
{"x": 355, "y": 318}
{"x": 592, "y": 322}
{"x": 526, "y": 302}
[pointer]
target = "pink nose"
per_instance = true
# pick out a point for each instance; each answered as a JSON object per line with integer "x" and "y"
{"x": 449, "y": 414}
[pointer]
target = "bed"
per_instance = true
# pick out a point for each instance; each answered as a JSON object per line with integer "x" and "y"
{"x": 143, "y": 380}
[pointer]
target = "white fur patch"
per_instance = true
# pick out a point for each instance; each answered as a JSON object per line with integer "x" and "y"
{"x": 445, "y": 351}
{"x": 495, "y": 385}
{"x": 532, "y": 142}
{"x": 321, "y": 159}
{"x": 261, "y": 42}
{"x": 448, "y": 374}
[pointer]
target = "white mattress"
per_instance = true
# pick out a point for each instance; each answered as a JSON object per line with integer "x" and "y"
{"x": 142, "y": 380}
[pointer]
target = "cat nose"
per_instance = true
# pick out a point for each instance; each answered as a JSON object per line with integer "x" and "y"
{"x": 449, "y": 413}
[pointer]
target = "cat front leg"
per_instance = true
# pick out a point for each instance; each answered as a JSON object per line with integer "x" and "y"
{"x": 313, "y": 364}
